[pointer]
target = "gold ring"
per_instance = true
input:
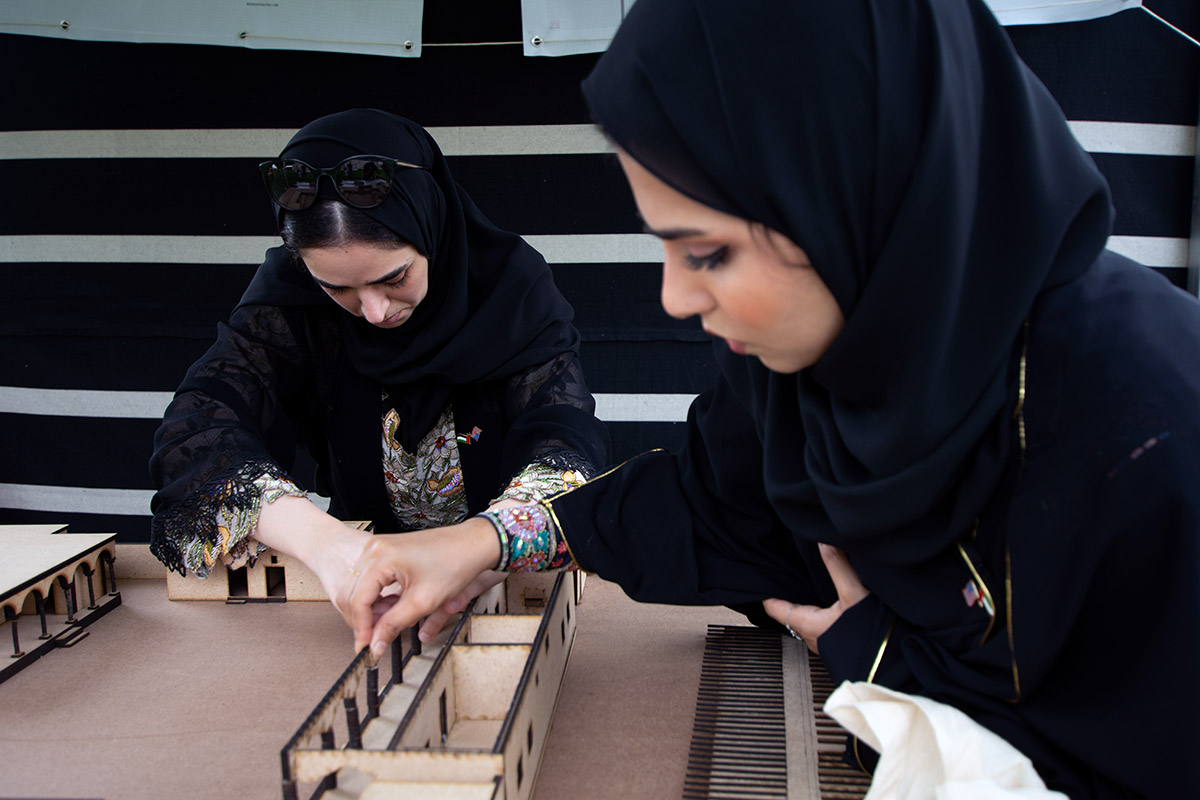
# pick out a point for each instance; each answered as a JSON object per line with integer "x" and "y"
{"x": 353, "y": 571}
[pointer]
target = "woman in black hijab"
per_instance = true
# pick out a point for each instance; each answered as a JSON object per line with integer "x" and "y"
{"x": 423, "y": 357}
{"x": 957, "y": 445}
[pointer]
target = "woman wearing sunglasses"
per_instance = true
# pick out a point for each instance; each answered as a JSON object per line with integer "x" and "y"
{"x": 423, "y": 357}
{"x": 955, "y": 444}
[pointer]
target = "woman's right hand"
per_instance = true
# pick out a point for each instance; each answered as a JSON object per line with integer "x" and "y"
{"x": 422, "y": 570}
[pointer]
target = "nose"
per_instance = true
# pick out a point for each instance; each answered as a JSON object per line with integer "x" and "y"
{"x": 683, "y": 292}
{"x": 374, "y": 306}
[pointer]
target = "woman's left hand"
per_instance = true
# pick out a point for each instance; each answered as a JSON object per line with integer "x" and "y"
{"x": 809, "y": 622}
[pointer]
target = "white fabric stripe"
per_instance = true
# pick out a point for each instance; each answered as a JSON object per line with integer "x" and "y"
{"x": 480, "y": 140}
{"x": 588, "y": 248}
{"x": 86, "y": 500}
{"x": 96, "y": 403}
{"x": 1136, "y": 138}
{"x": 643, "y": 407}
{"x": 1130, "y": 138}
{"x": 83, "y": 403}
{"x": 598, "y": 248}
{"x": 557, "y": 248}
{"x": 75, "y": 499}
{"x": 1153, "y": 251}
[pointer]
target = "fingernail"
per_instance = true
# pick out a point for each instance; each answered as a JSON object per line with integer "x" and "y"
{"x": 378, "y": 648}
{"x": 424, "y": 636}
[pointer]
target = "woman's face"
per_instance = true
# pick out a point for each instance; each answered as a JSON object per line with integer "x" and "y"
{"x": 751, "y": 286}
{"x": 380, "y": 284}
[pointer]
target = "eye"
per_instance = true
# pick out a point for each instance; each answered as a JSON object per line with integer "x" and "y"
{"x": 334, "y": 290}
{"x": 399, "y": 280}
{"x": 709, "y": 260}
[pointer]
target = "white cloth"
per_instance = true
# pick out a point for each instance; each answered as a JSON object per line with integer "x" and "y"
{"x": 931, "y": 751}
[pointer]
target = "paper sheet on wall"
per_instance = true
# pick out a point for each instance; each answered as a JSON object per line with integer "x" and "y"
{"x": 381, "y": 27}
{"x": 375, "y": 27}
{"x": 1041, "y": 12}
{"x": 568, "y": 27}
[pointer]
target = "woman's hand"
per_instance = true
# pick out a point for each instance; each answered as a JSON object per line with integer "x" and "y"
{"x": 809, "y": 622}
{"x": 429, "y": 569}
{"x": 484, "y": 581}
{"x": 325, "y": 544}
{"x": 437, "y": 620}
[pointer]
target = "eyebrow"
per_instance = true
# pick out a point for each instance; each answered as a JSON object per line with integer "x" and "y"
{"x": 673, "y": 233}
{"x": 391, "y": 276}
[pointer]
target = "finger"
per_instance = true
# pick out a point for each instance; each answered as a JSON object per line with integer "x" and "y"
{"x": 383, "y": 604}
{"x": 360, "y": 610}
{"x": 776, "y": 609}
{"x": 403, "y": 615}
{"x": 434, "y": 623}
{"x": 809, "y": 622}
{"x": 845, "y": 580}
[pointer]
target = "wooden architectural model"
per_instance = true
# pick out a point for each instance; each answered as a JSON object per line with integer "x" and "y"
{"x": 273, "y": 578}
{"x": 58, "y": 583}
{"x": 464, "y": 717}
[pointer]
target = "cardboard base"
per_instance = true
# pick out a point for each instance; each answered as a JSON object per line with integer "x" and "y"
{"x": 196, "y": 700}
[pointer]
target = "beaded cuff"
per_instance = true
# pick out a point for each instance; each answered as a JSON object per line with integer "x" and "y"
{"x": 529, "y": 540}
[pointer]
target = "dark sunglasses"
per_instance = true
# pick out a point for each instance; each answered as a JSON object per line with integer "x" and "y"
{"x": 362, "y": 181}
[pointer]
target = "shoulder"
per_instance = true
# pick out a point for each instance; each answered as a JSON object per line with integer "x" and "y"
{"x": 1119, "y": 329}
{"x": 1113, "y": 378}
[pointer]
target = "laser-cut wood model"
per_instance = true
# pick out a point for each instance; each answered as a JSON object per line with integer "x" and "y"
{"x": 46, "y": 577}
{"x": 464, "y": 717}
{"x": 274, "y": 578}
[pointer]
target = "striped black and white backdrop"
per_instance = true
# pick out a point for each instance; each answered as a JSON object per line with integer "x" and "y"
{"x": 132, "y": 215}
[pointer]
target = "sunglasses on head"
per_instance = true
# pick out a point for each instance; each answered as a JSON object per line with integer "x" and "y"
{"x": 362, "y": 181}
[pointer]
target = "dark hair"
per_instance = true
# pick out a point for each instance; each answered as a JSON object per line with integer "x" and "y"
{"x": 329, "y": 223}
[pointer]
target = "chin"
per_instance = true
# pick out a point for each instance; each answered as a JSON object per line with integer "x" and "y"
{"x": 784, "y": 366}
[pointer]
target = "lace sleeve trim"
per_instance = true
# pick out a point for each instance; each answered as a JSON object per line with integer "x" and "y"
{"x": 217, "y": 519}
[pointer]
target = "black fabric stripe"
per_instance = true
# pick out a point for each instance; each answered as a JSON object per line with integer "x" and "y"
{"x": 1152, "y": 194}
{"x": 631, "y": 438}
{"x": 1176, "y": 275}
{"x": 1127, "y": 67}
{"x": 157, "y": 364}
{"x": 561, "y": 194}
{"x": 129, "y": 529}
{"x": 76, "y": 451}
{"x": 583, "y": 193}
{"x": 138, "y": 364}
{"x": 620, "y": 302}
{"x": 660, "y": 367}
{"x": 120, "y": 300}
{"x": 129, "y": 301}
{"x": 122, "y": 85}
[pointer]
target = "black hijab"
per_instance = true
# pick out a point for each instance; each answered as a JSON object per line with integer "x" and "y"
{"x": 491, "y": 310}
{"x": 936, "y": 189}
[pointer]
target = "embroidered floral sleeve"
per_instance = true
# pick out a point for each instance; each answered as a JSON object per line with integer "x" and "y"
{"x": 530, "y": 541}
{"x": 539, "y": 481}
{"x": 216, "y": 521}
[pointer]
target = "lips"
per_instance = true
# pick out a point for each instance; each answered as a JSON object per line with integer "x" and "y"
{"x": 397, "y": 317}
{"x": 734, "y": 345}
